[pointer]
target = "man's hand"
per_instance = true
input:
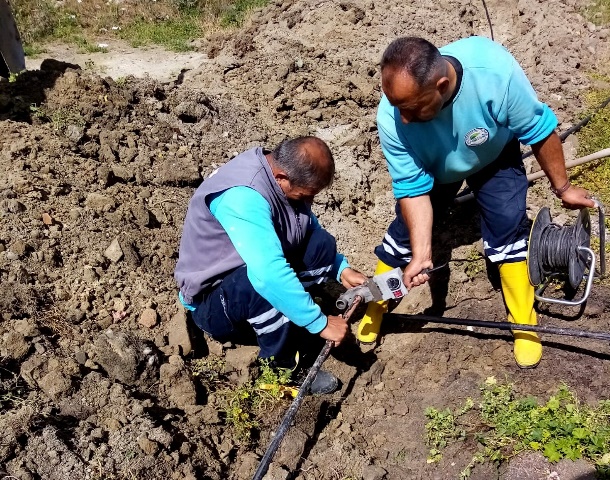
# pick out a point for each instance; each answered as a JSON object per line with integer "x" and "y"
{"x": 413, "y": 276}
{"x": 335, "y": 330}
{"x": 352, "y": 278}
{"x": 549, "y": 154}
{"x": 576, "y": 197}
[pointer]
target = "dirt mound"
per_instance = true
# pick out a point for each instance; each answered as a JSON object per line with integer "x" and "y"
{"x": 98, "y": 174}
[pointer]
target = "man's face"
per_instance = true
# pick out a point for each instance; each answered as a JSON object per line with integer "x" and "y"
{"x": 415, "y": 103}
{"x": 294, "y": 193}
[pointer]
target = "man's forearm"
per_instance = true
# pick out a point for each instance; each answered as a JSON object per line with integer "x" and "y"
{"x": 417, "y": 214}
{"x": 549, "y": 154}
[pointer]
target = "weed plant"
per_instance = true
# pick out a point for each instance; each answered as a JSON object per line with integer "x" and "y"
{"x": 475, "y": 264}
{"x": 503, "y": 426}
{"x": 244, "y": 404}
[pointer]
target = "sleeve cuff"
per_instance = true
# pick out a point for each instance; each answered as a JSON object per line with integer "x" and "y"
{"x": 545, "y": 126}
{"x": 318, "y": 325}
{"x": 341, "y": 264}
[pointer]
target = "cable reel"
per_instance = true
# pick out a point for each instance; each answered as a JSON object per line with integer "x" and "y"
{"x": 564, "y": 252}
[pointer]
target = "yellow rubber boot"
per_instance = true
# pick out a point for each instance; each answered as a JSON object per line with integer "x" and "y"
{"x": 519, "y": 299}
{"x": 369, "y": 326}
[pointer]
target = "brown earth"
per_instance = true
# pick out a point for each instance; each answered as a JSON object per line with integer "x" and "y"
{"x": 97, "y": 175}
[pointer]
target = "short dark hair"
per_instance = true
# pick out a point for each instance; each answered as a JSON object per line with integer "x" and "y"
{"x": 416, "y": 56}
{"x": 303, "y": 167}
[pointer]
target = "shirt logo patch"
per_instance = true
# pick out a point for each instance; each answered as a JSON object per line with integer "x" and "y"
{"x": 476, "y": 136}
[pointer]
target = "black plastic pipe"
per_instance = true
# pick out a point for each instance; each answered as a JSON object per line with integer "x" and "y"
{"x": 571, "y": 332}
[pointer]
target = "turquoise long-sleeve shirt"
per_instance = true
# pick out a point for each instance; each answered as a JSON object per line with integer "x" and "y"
{"x": 495, "y": 103}
{"x": 246, "y": 217}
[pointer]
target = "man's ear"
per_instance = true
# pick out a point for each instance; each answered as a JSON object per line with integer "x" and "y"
{"x": 280, "y": 175}
{"x": 442, "y": 85}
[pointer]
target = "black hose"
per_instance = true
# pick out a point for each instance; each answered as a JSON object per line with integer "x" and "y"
{"x": 296, "y": 403}
{"x": 501, "y": 325}
{"x": 491, "y": 30}
{"x": 555, "y": 248}
{"x": 291, "y": 412}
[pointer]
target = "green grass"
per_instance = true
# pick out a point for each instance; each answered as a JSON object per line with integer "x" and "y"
{"x": 237, "y": 11}
{"x": 173, "y": 34}
{"x": 172, "y": 24}
{"x": 598, "y": 12}
{"x": 504, "y": 425}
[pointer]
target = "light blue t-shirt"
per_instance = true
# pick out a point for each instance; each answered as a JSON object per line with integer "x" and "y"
{"x": 246, "y": 217}
{"x": 494, "y": 104}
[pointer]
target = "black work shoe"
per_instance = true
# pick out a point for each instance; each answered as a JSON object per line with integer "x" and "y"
{"x": 324, "y": 383}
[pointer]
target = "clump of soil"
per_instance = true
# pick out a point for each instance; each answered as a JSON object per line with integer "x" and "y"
{"x": 95, "y": 378}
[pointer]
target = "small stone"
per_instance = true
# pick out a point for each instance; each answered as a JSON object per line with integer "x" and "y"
{"x": 314, "y": 114}
{"x": 112, "y": 424}
{"x": 19, "y": 247}
{"x": 148, "y": 318}
{"x": 11, "y": 256}
{"x": 90, "y": 275}
{"x": 47, "y": 219}
{"x": 75, "y": 213}
{"x": 81, "y": 357}
{"x": 114, "y": 252}
{"x": 91, "y": 364}
{"x": 99, "y": 202}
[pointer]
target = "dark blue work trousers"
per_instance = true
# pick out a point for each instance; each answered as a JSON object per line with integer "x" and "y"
{"x": 500, "y": 189}
{"x": 233, "y": 310}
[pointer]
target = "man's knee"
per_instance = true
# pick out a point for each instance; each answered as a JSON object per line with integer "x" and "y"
{"x": 320, "y": 250}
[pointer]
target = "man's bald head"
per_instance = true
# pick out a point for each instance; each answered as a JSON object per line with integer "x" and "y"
{"x": 306, "y": 161}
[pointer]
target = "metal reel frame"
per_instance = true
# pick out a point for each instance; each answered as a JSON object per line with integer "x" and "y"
{"x": 581, "y": 259}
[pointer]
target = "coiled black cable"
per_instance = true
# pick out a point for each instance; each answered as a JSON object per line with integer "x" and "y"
{"x": 555, "y": 248}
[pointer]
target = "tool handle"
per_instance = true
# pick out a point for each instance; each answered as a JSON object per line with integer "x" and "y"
{"x": 428, "y": 271}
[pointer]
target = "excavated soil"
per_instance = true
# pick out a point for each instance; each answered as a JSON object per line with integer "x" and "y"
{"x": 97, "y": 174}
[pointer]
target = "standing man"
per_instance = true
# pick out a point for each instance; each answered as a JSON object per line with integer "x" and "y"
{"x": 251, "y": 246}
{"x": 454, "y": 114}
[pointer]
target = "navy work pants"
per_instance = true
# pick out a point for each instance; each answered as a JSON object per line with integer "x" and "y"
{"x": 233, "y": 309}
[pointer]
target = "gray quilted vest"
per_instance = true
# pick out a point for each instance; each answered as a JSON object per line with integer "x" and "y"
{"x": 206, "y": 253}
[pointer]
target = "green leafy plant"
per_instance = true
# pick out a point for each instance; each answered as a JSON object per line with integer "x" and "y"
{"x": 208, "y": 369}
{"x": 506, "y": 426}
{"x": 474, "y": 263}
{"x": 240, "y": 410}
{"x": 173, "y": 33}
{"x": 60, "y": 118}
{"x": 170, "y": 23}
{"x": 442, "y": 428}
{"x": 244, "y": 404}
